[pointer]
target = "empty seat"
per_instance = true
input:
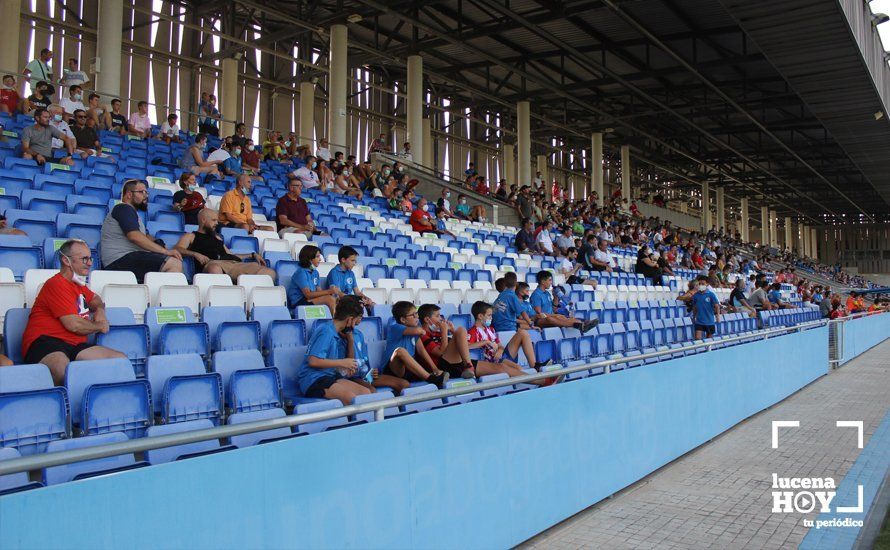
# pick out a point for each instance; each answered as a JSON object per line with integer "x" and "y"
{"x": 34, "y": 279}
{"x": 423, "y": 405}
{"x": 177, "y": 452}
{"x": 320, "y": 425}
{"x": 13, "y": 483}
{"x": 106, "y": 397}
{"x": 14, "y": 323}
{"x": 227, "y": 362}
{"x": 32, "y": 411}
{"x": 254, "y": 390}
{"x": 265, "y": 436}
{"x": 229, "y": 328}
{"x": 183, "y": 390}
{"x": 88, "y": 468}
{"x": 174, "y": 330}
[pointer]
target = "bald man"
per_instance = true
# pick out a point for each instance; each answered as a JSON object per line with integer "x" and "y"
{"x": 212, "y": 256}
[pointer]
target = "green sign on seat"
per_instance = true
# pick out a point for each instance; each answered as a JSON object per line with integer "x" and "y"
{"x": 315, "y": 312}
{"x": 391, "y": 262}
{"x": 57, "y": 244}
{"x": 173, "y": 315}
{"x": 10, "y": 133}
{"x": 57, "y": 166}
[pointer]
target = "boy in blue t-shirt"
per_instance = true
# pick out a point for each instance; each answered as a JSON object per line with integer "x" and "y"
{"x": 705, "y": 309}
{"x": 404, "y": 352}
{"x": 542, "y": 303}
{"x": 508, "y": 307}
{"x": 330, "y": 369}
{"x": 344, "y": 279}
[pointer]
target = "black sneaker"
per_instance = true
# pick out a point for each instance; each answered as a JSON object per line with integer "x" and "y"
{"x": 540, "y": 365}
{"x": 438, "y": 379}
{"x": 587, "y": 326}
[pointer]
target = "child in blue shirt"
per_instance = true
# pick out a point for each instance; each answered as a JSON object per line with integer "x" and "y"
{"x": 303, "y": 288}
{"x": 330, "y": 369}
{"x": 343, "y": 279}
{"x": 508, "y": 307}
{"x": 542, "y": 303}
{"x": 705, "y": 309}
{"x": 404, "y": 353}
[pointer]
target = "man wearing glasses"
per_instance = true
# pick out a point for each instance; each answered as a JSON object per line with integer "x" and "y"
{"x": 87, "y": 138}
{"x": 125, "y": 245}
{"x": 65, "y": 313}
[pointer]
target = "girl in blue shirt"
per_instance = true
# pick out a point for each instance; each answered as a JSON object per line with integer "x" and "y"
{"x": 303, "y": 289}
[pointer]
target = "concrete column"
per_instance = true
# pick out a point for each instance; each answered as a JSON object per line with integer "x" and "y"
{"x": 721, "y": 208}
{"x": 428, "y": 143}
{"x": 745, "y": 224}
{"x": 773, "y": 228}
{"x": 108, "y": 47}
{"x": 509, "y": 164}
{"x": 10, "y": 11}
{"x": 789, "y": 235}
{"x": 804, "y": 233}
{"x": 307, "y": 115}
{"x": 228, "y": 96}
{"x": 541, "y": 166}
{"x": 625, "y": 172}
{"x": 814, "y": 243}
{"x": 596, "y": 164}
{"x": 764, "y": 226}
{"x": 415, "y": 107}
{"x": 337, "y": 89}
{"x": 524, "y": 144}
{"x": 706, "y": 220}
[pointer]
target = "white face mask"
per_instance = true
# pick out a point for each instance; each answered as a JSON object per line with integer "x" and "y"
{"x": 447, "y": 195}
{"x": 79, "y": 279}
{"x": 425, "y": 207}
{"x": 702, "y": 288}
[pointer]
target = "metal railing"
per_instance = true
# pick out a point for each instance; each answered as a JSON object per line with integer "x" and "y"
{"x": 836, "y": 328}
{"x": 46, "y": 460}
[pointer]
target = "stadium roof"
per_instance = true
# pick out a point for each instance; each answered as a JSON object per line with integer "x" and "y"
{"x": 772, "y": 100}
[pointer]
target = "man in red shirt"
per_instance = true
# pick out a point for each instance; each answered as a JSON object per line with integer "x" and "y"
{"x": 9, "y": 98}
{"x": 420, "y": 219}
{"x": 60, "y": 320}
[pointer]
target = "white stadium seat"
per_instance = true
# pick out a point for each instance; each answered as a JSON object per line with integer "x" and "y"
{"x": 133, "y": 296}
{"x": 225, "y": 295}
{"x": 266, "y": 296}
{"x": 98, "y": 279}
{"x": 12, "y": 295}
{"x": 34, "y": 279}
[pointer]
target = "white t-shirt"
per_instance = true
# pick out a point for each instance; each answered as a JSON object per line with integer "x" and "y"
{"x": 406, "y": 154}
{"x": 566, "y": 267}
{"x": 172, "y": 131}
{"x": 604, "y": 257}
{"x": 323, "y": 153}
{"x": 219, "y": 155}
{"x": 72, "y": 78}
{"x": 605, "y": 235}
{"x": 544, "y": 240}
{"x": 70, "y": 105}
{"x": 65, "y": 129}
{"x": 307, "y": 176}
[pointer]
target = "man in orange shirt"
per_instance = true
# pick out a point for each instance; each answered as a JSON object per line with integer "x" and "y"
{"x": 855, "y": 303}
{"x": 235, "y": 209}
{"x": 64, "y": 314}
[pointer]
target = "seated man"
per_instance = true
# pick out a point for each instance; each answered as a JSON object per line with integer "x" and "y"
{"x": 235, "y": 209}
{"x": 211, "y": 254}
{"x": 139, "y": 123}
{"x": 420, "y": 219}
{"x": 543, "y": 240}
{"x": 125, "y": 245}
{"x": 169, "y": 132}
{"x": 292, "y": 212}
{"x": 98, "y": 113}
{"x": 759, "y": 298}
{"x": 86, "y": 136}
{"x": 565, "y": 240}
{"x": 119, "y": 122}
{"x": 543, "y": 303}
{"x": 65, "y": 314}
{"x": 444, "y": 204}
{"x": 73, "y": 102}
{"x": 737, "y": 300}
{"x": 569, "y": 267}
{"x": 343, "y": 279}
{"x": 37, "y": 140}
{"x": 331, "y": 364}
{"x": 307, "y": 174}
{"x": 525, "y": 238}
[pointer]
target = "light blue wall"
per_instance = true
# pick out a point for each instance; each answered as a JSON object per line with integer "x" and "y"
{"x": 484, "y": 475}
{"x": 864, "y": 333}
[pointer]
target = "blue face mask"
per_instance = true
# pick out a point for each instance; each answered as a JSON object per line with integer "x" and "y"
{"x": 487, "y": 322}
{"x": 314, "y": 164}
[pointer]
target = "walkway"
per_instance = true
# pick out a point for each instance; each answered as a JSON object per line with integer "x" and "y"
{"x": 720, "y": 495}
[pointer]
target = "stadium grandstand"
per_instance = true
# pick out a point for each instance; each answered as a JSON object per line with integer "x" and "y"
{"x": 316, "y": 273}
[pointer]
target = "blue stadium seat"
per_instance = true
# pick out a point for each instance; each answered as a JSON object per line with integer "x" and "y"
{"x": 227, "y": 362}
{"x": 371, "y": 328}
{"x": 13, "y": 328}
{"x": 254, "y": 390}
{"x": 257, "y": 438}
{"x": 132, "y": 340}
{"x": 183, "y": 389}
{"x": 106, "y": 397}
{"x": 371, "y": 397}
{"x": 188, "y": 450}
{"x": 32, "y": 411}
{"x": 21, "y": 259}
{"x": 14, "y": 483}
{"x": 423, "y": 405}
{"x": 229, "y": 328}
{"x": 501, "y": 390}
{"x": 320, "y": 425}
{"x": 88, "y": 468}
{"x": 174, "y": 330}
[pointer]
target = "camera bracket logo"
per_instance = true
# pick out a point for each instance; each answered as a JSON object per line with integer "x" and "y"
{"x": 804, "y": 495}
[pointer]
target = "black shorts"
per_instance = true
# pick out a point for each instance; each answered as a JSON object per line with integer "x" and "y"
{"x": 409, "y": 376}
{"x": 454, "y": 370}
{"x": 139, "y": 262}
{"x": 575, "y": 280}
{"x": 44, "y": 345}
{"x": 707, "y": 329}
{"x": 317, "y": 389}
